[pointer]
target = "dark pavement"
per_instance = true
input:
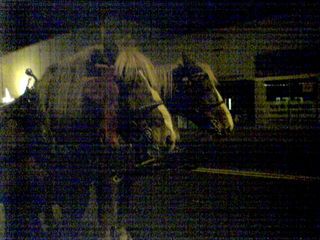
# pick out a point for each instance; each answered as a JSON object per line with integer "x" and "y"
{"x": 189, "y": 205}
{"x": 183, "y": 204}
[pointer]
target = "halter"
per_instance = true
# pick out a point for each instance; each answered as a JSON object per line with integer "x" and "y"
{"x": 144, "y": 110}
{"x": 206, "y": 106}
{"x": 137, "y": 113}
{"x": 145, "y": 132}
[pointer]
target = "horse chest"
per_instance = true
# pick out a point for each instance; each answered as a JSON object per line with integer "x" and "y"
{"x": 103, "y": 91}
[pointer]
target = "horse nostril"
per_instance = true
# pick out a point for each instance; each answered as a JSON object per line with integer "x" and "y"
{"x": 230, "y": 129}
{"x": 227, "y": 131}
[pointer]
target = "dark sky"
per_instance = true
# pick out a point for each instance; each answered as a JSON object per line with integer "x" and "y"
{"x": 26, "y": 22}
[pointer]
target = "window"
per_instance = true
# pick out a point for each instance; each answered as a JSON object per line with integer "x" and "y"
{"x": 293, "y": 90}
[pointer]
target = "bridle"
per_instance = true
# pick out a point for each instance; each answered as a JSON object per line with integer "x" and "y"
{"x": 200, "y": 106}
{"x": 141, "y": 111}
{"x": 209, "y": 106}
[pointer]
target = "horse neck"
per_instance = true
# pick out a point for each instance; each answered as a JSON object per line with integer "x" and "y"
{"x": 110, "y": 125}
{"x": 172, "y": 101}
{"x": 104, "y": 92}
{"x": 166, "y": 86}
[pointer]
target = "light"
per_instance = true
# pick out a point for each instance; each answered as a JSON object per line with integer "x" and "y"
{"x": 229, "y": 103}
{"x": 7, "y": 97}
{"x": 22, "y": 84}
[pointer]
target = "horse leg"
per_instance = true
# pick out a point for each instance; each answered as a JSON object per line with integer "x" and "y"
{"x": 104, "y": 201}
{"x": 10, "y": 202}
{"x": 73, "y": 211}
{"x": 22, "y": 221}
{"x": 123, "y": 190}
{"x": 71, "y": 223}
{"x": 16, "y": 224}
{"x": 49, "y": 221}
{"x": 36, "y": 205}
{"x": 108, "y": 210}
{"x": 123, "y": 195}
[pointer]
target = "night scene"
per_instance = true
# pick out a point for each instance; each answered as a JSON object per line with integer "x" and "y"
{"x": 159, "y": 120}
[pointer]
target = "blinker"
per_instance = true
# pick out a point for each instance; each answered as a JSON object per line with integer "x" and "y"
{"x": 148, "y": 108}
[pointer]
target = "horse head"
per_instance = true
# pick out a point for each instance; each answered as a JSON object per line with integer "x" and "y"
{"x": 196, "y": 97}
{"x": 142, "y": 107}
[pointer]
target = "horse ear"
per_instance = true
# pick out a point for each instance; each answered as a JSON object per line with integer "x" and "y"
{"x": 185, "y": 59}
{"x": 110, "y": 50}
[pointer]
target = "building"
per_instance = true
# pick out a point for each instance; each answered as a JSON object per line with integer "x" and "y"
{"x": 268, "y": 70}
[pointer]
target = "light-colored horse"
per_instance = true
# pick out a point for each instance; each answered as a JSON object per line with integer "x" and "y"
{"x": 75, "y": 130}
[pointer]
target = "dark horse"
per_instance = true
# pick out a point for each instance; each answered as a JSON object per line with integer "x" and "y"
{"x": 23, "y": 153}
{"x": 189, "y": 89}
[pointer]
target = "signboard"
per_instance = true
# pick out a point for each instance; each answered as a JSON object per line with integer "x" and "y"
{"x": 307, "y": 87}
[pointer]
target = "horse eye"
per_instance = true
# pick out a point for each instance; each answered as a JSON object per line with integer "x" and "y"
{"x": 207, "y": 88}
{"x": 157, "y": 122}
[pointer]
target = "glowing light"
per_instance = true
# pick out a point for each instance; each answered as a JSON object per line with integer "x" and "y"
{"x": 7, "y": 97}
{"x": 229, "y": 104}
{"x": 22, "y": 84}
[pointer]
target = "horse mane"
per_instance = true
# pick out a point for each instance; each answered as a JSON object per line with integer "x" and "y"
{"x": 208, "y": 70}
{"x": 165, "y": 79}
{"x": 60, "y": 88}
{"x": 165, "y": 82}
{"x": 130, "y": 63}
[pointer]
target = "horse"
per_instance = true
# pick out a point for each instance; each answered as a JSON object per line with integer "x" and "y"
{"x": 134, "y": 71}
{"x": 76, "y": 121}
{"x": 204, "y": 106}
{"x": 21, "y": 147}
{"x": 189, "y": 89}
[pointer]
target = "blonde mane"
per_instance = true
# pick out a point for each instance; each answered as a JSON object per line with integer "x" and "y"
{"x": 131, "y": 61}
{"x": 208, "y": 70}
